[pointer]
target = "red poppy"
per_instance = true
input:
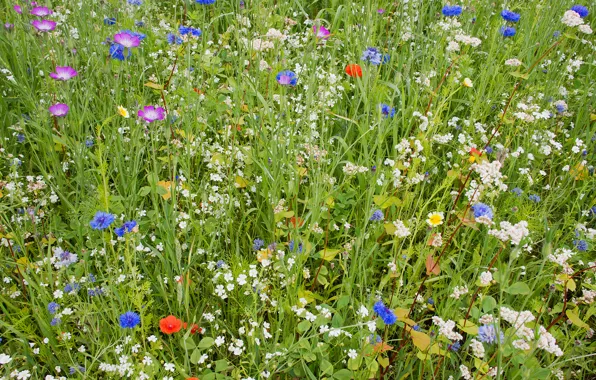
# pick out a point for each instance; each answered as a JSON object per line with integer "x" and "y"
{"x": 354, "y": 70}
{"x": 192, "y": 378}
{"x": 170, "y": 324}
{"x": 194, "y": 328}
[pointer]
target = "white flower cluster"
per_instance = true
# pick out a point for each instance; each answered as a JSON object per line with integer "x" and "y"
{"x": 459, "y": 291}
{"x": 486, "y": 278}
{"x": 490, "y": 174}
{"x": 518, "y": 319}
{"x": 351, "y": 169}
{"x": 401, "y": 231}
{"x": 511, "y": 232}
{"x": 477, "y": 348}
{"x": 446, "y": 329}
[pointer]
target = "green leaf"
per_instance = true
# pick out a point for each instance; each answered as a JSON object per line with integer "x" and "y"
{"x": 206, "y": 343}
{"x": 574, "y": 318}
{"x": 343, "y": 374}
{"x": 518, "y": 288}
{"x": 221, "y": 365}
{"x": 144, "y": 191}
{"x": 195, "y": 356}
{"x": 187, "y": 343}
{"x": 326, "y": 367}
{"x": 154, "y": 86}
{"x": 488, "y": 304}
{"x": 517, "y": 74}
{"x": 328, "y": 254}
{"x": 354, "y": 364}
{"x": 303, "y": 326}
{"x": 384, "y": 201}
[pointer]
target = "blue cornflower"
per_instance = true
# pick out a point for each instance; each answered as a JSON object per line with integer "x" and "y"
{"x": 593, "y": 211}
{"x": 89, "y": 143}
{"x": 139, "y": 24}
{"x": 173, "y": 39}
{"x": 375, "y": 338}
{"x": 117, "y": 52}
{"x": 205, "y": 2}
{"x": 507, "y": 31}
{"x": 451, "y": 10}
{"x": 101, "y": 220}
{"x": 534, "y": 198}
{"x": 55, "y": 321}
{"x": 184, "y": 30}
{"x": 196, "y": 32}
{"x": 292, "y": 245}
{"x": 377, "y": 216}
{"x": 430, "y": 301}
{"x": 510, "y": 16}
{"x": 561, "y": 106}
{"x": 286, "y": 78}
{"x": 129, "y": 320}
{"x": 109, "y": 20}
{"x": 372, "y": 55}
{"x": 454, "y": 347}
{"x": 21, "y": 138}
{"x": 140, "y": 36}
{"x": 72, "y": 288}
{"x": 488, "y": 150}
{"x": 581, "y": 245}
{"x": 416, "y": 328}
{"x": 482, "y": 210}
{"x": 220, "y": 264}
{"x": 387, "y": 111}
{"x": 53, "y": 307}
{"x": 126, "y": 227}
{"x": 517, "y": 191}
{"x": 135, "y": 2}
{"x": 488, "y": 334}
{"x": 257, "y": 244}
{"x": 580, "y": 10}
{"x": 385, "y": 313}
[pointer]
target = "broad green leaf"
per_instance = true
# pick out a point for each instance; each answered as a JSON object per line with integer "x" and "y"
{"x": 574, "y": 318}
{"x": 154, "y": 86}
{"x": 303, "y": 326}
{"x": 326, "y": 367}
{"x": 328, "y": 254}
{"x": 187, "y": 343}
{"x": 469, "y": 327}
{"x": 206, "y": 342}
{"x": 518, "y": 288}
{"x": 343, "y": 374}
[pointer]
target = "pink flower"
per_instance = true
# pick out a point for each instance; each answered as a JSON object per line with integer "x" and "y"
{"x": 44, "y": 25}
{"x": 17, "y": 8}
{"x": 321, "y": 32}
{"x": 151, "y": 114}
{"x": 59, "y": 110}
{"x": 127, "y": 40}
{"x": 41, "y": 11}
{"x": 64, "y": 73}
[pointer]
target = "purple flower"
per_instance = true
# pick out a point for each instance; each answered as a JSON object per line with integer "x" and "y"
{"x": 387, "y": 110}
{"x": 377, "y": 216}
{"x": 510, "y": 16}
{"x": 488, "y": 334}
{"x": 64, "y": 258}
{"x": 372, "y": 55}
{"x": 286, "y": 78}
{"x": 64, "y": 73}
{"x": 127, "y": 40}
{"x": 17, "y": 8}
{"x": 580, "y": 10}
{"x": 481, "y": 210}
{"x": 101, "y": 220}
{"x": 41, "y": 11}
{"x": 59, "y": 110}
{"x": 44, "y": 25}
{"x": 151, "y": 114}
{"x": 129, "y": 320}
{"x": 321, "y": 32}
{"x": 126, "y": 227}
{"x": 451, "y": 10}
{"x": 385, "y": 313}
{"x": 8, "y": 26}
{"x": 507, "y": 31}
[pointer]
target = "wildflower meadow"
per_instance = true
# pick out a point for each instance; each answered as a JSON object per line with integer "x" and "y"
{"x": 302, "y": 189}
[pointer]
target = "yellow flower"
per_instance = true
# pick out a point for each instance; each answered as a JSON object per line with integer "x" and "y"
{"x": 468, "y": 83}
{"x": 435, "y": 219}
{"x": 123, "y": 112}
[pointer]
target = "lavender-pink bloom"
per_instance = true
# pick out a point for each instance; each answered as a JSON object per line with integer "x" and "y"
{"x": 151, "y": 114}
{"x": 17, "y": 8}
{"x": 321, "y": 32}
{"x": 59, "y": 109}
{"x": 127, "y": 40}
{"x": 44, "y": 25}
{"x": 64, "y": 73}
{"x": 41, "y": 11}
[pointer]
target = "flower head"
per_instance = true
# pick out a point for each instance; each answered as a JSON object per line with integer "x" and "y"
{"x": 109, "y": 20}
{"x": 377, "y": 216}
{"x": 510, "y": 16}
{"x": 572, "y": 18}
{"x": 59, "y": 109}
{"x": 64, "y": 73}
{"x": 387, "y": 111}
{"x": 123, "y": 112}
{"x": 451, "y": 10}
{"x": 488, "y": 334}
{"x": 101, "y": 220}
{"x": 127, "y": 40}
{"x": 151, "y": 114}
{"x": 17, "y": 8}
{"x": 580, "y": 10}
{"x": 117, "y": 52}
{"x": 321, "y": 32}
{"x": 44, "y": 25}
{"x": 467, "y": 83}
{"x": 483, "y": 213}
{"x": 507, "y": 31}
{"x": 129, "y": 320}
{"x": 53, "y": 307}
{"x": 286, "y": 78}
{"x": 384, "y": 313}
{"x": 127, "y": 227}
{"x": 41, "y": 11}
{"x": 354, "y": 70}
{"x": 170, "y": 324}
{"x": 372, "y": 55}
{"x": 435, "y": 219}
{"x": 205, "y": 2}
